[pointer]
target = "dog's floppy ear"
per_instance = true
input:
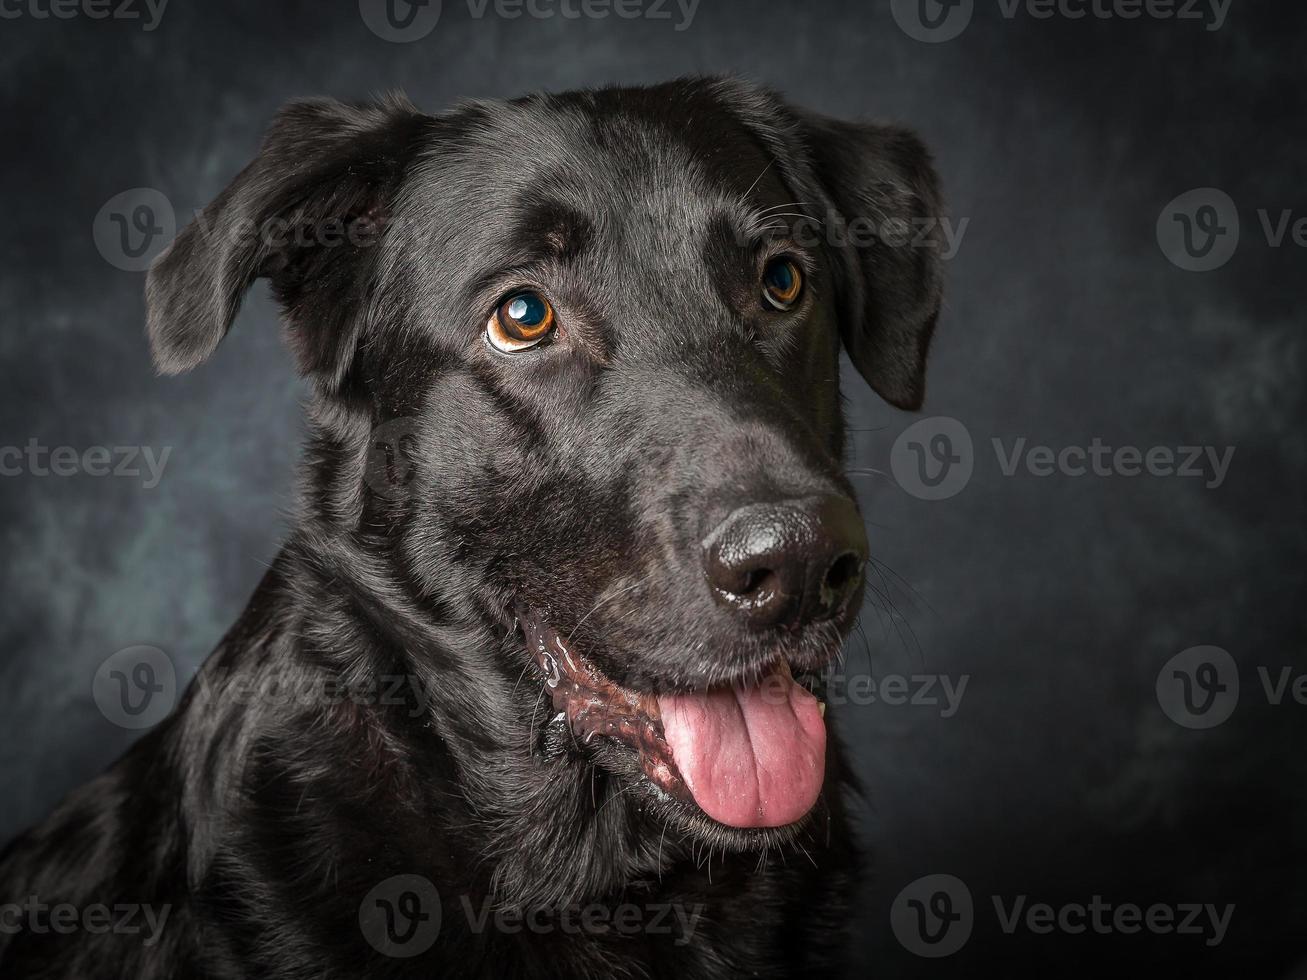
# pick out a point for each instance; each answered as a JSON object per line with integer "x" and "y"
{"x": 884, "y": 186}
{"x": 305, "y": 213}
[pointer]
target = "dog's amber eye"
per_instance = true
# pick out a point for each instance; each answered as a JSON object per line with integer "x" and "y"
{"x": 782, "y": 283}
{"x": 520, "y": 322}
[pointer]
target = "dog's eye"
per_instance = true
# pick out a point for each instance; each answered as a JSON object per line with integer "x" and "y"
{"x": 782, "y": 282}
{"x": 520, "y": 322}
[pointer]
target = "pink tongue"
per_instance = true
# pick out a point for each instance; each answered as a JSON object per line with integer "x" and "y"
{"x": 751, "y": 757}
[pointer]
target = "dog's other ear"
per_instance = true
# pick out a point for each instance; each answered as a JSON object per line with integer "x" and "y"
{"x": 306, "y": 213}
{"x": 882, "y": 181}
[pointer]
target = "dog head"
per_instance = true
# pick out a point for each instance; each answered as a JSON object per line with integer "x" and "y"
{"x": 575, "y": 362}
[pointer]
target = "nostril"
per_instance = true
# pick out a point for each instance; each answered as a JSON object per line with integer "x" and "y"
{"x": 842, "y": 573}
{"x": 758, "y": 580}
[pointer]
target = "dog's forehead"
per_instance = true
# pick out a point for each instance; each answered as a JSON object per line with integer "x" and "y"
{"x": 649, "y": 138}
{"x": 616, "y": 166}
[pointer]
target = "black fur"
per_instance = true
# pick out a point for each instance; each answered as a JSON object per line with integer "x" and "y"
{"x": 444, "y": 482}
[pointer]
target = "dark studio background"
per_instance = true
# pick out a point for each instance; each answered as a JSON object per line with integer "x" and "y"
{"x": 1061, "y": 141}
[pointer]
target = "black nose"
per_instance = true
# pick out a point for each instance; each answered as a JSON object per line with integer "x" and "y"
{"x": 788, "y": 563}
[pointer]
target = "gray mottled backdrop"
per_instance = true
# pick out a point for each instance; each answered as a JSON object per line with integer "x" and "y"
{"x": 1093, "y": 301}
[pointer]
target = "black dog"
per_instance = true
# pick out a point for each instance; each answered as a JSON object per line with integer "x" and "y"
{"x": 518, "y": 696}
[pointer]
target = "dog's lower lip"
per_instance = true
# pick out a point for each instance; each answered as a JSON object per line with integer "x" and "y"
{"x": 596, "y": 705}
{"x": 755, "y": 748}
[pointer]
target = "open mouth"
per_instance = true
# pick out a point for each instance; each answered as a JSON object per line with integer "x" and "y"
{"x": 749, "y": 755}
